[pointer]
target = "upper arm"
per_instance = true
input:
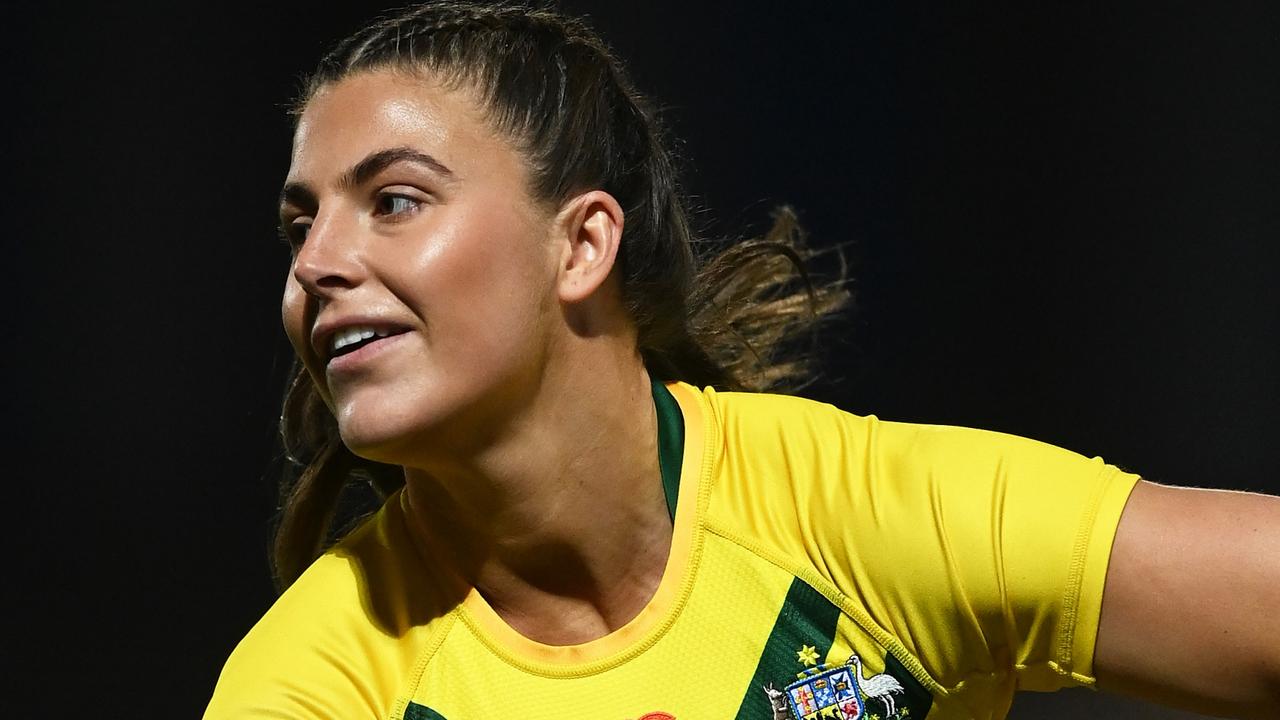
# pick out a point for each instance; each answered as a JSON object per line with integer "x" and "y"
{"x": 314, "y": 655}
{"x": 1191, "y": 606}
{"x": 276, "y": 674}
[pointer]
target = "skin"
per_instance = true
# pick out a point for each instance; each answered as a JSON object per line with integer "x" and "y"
{"x": 1191, "y": 607}
{"x": 513, "y": 394}
{"x": 517, "y": 403}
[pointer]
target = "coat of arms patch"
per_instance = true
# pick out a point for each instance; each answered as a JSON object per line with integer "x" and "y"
{"x": 837, "y": 692}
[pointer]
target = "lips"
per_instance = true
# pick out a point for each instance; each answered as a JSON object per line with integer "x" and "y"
{"x": 345, "y": 341}
{"x": 333, "y": 339}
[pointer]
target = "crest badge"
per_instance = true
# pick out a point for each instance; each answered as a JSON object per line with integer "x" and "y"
{"x": 835, "y": 692}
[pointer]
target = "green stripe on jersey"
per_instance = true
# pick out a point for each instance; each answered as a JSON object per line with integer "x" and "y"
{"x": 806, "y": 618}
{"x": 421, "y": 712}
{"x": 670, "y": 443}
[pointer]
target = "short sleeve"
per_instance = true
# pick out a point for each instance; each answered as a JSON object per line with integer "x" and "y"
{"x": 979, "y": 554}
{"x": 296, "y": 663}
{"x": 343, "y": 640}
{"x": 987, "y": 552}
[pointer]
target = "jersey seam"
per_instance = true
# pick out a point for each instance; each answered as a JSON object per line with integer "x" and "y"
{"x": 621, "y": 657}
{"x": 432, "y": 645}
{"x": 1084, "y": 680}
{"x": 594, "y": 667}
{"x": 1062, "y": 662}
{"x": 829, "y": 591}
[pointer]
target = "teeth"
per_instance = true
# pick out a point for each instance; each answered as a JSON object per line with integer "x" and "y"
{"x": 353, "y": 335}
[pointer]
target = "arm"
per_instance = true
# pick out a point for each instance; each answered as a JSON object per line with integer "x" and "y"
{"x": 1191, "y": 607}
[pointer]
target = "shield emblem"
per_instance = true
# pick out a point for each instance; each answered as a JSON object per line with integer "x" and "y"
{"x": 827, "y": 693}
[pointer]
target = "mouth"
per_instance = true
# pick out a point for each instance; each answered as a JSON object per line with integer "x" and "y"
{"x": 351, "y": 339}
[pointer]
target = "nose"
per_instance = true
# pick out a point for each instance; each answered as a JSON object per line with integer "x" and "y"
{"x": 329, "y": 258}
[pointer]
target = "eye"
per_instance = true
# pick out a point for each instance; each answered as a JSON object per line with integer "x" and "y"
{"x": 294, "y": 232}
{"x": 393, "y": 204}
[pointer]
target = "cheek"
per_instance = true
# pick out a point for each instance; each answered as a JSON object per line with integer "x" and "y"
{"x": 512, "y": 260}
{"x": 292, "y": 309}
{"x": 293, "y": 314}
{"x": 488, "y": 270}
{"x": 508, "y": 295}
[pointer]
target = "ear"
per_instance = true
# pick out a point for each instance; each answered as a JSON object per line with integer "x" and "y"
{"x": 590, "y": 225}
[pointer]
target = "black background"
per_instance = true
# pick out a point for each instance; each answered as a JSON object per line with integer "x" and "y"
{"x": 1062, "y": 220}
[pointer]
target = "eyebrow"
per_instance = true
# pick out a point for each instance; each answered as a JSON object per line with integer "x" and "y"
{"x": 297, "y": 193}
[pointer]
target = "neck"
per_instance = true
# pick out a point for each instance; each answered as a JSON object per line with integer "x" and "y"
{"x": 560, "y": 521}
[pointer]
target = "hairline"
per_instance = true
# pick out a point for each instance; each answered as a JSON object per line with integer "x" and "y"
{"x": 453, "y": 79}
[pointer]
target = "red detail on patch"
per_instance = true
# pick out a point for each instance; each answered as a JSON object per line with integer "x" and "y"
{"x": 657, "y": 716}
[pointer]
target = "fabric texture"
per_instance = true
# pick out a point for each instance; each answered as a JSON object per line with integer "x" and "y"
{"x": 823, "y": 565}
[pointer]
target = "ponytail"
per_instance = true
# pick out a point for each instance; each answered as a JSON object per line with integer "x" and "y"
{"x": 551, "y": 85}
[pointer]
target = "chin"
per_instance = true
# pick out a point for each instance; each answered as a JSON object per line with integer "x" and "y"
{"x": 379, "y": 447}
{"x": 367, "y": 434}
{"x": 416, "y": 423}
{"x": 389, "y": 435}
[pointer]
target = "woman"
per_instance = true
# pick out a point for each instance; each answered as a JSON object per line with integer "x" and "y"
{"x": 494, "y": 301}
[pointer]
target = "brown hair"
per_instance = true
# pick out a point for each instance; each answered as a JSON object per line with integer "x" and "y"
{"x": 553, "y": 87}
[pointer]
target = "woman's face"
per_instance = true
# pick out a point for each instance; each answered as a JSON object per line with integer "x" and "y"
{"x": 422, "y": 288}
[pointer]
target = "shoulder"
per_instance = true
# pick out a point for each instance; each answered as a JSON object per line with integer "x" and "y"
{"x": 767, "y": 426}
{"x": 785, "y": 444}
{"x": 340, "y": 641}
{"x": 816, "y": 441}
{"x": 807, "y": 480}
{"x": 949, "y": 537}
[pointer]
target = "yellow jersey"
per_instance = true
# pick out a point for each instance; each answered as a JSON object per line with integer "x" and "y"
{"x": 823, "y": 565}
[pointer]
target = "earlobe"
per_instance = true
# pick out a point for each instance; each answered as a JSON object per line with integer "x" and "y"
{"x": 592, "y": 226}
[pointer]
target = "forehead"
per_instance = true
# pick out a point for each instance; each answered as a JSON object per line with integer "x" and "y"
{"x": 371, "y": 111}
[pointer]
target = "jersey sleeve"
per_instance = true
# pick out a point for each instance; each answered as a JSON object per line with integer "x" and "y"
{"x": 296, "y": 663}
{"x": 1002, "y": 545}
{"x": 981, "y": 553}
{"x": 342, "y": 641}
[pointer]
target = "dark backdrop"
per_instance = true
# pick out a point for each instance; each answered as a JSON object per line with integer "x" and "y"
{"x": 1062, "y": 223}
